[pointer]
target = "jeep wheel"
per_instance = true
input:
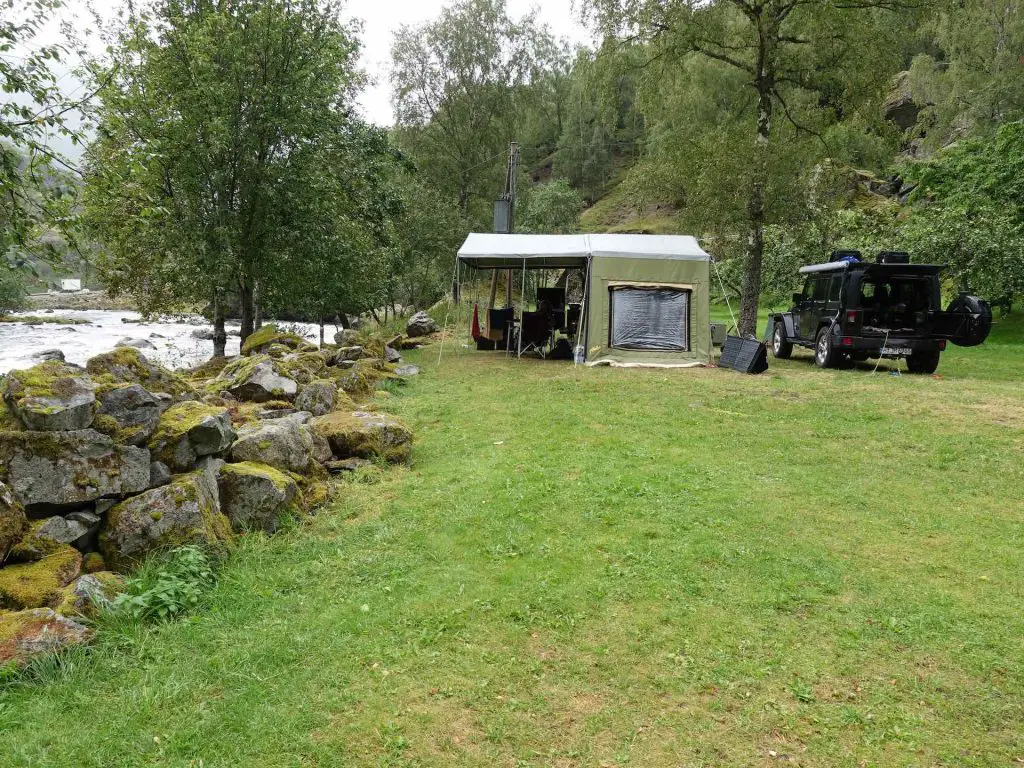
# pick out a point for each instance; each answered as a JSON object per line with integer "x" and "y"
{"x": 781, "y": 348}
{"x": 824, "y": 357}
{"x": 923, "y": 362}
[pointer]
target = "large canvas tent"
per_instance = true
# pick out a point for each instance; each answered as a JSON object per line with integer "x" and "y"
{"x": 646, "y": 297}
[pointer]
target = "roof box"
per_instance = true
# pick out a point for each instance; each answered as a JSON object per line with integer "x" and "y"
{"x": 893, "y": 257}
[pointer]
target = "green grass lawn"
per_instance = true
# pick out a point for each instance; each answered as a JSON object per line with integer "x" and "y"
{"x": 603, "y": 567}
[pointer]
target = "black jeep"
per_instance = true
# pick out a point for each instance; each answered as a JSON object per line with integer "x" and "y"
{"x": 853, "y": 310}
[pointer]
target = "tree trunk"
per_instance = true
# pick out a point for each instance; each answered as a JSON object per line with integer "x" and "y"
{"x": 220, "y": 336}
{"x": 751, "y": 296}
{"x": 494, "y": 289}
{"x": 321, "y": 333}
{"x": 258, "y": 308}
{"x": 248, "y": 308}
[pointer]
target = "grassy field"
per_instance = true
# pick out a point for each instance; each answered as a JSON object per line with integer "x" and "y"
{"x": 607, "y": 567}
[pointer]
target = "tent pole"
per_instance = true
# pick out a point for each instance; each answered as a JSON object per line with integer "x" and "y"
{"x": 522, "y": 308}
{"x": 583, "y": 311}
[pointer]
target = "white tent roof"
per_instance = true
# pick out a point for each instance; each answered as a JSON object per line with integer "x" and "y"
{"x": 495, "y": 251}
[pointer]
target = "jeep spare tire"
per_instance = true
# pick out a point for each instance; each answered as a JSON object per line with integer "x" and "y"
{"x": 976, "y": 328}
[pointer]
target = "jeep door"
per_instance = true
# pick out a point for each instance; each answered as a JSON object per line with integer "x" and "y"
{"x": 814, "y": 306}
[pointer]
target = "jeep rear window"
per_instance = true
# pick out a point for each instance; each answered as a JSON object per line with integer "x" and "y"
{"x": 908, "y": 294}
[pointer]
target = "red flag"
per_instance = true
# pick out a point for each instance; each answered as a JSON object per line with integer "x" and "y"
{"x": 476, "y": 323}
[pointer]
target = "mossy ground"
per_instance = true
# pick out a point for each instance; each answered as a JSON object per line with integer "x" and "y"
{"x": 588, "y": 567}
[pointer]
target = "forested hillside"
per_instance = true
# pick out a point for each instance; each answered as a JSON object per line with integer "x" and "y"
{"x": 775, "y": 130}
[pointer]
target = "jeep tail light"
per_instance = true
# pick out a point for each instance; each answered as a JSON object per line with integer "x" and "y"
{"x": 847, "y": 341}
{"x": 852, "y": 316}
{"x": 942, "y": 345}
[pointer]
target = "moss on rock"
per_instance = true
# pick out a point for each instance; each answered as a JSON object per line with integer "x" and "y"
{"x": 38, "y": 630}
{"x": 13, "y": 523}
{"x": 126, "y": 365}
{"x": 268, "y": 335}
{"x": 365, "y": 435}
{"x": 189, "y": 430}
{"x": 39, "y": 584}
{"x": 185, "y": 511}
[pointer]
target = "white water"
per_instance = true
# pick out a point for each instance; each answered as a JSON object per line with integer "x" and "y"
{"x": 175, "y": 347}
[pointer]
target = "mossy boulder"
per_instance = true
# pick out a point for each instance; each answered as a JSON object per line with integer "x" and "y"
{"x": 128, "y": 413}
{"x": 269, "y": 335}
{"x": 87, "y": 593}
{"x": 346, "y": 337}
{"x": 189, "y": 430}
{"x": 256, "y": 379}
{"x": 185, "y": 511}
{"x": 13, "y": 523}
{"x": 46, "y": 537}
{"x": 8, "y": 421}
{"x": 40, "y": 630}
{"x": 318, "y": 397}
{"x": 208, "y": 370}
{"x": 70, "y": 468}
{"x": 126, "y": 365}
{"x": 364, "y": 435}
{"x": 421, "y": 324}
{"x": 361, "y": 378}
{"x": 51, "y": 397}
{"x": 253, "y": 496}
{"x": 39, "y": 584}
{"x": 281, "y": 443}
{"x": 303, "y": 367}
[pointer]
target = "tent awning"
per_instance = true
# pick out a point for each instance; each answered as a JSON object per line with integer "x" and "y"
{"x": 496, "y": 251}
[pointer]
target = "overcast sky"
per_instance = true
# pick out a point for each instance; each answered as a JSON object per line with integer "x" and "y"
{"x": 381, "y": 18}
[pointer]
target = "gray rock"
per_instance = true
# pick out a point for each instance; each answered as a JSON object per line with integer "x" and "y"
{"x": 39, "y": 630}
{"x": 392, "y": 355}
{"x": 51, "y": 397}
{"x": 69, "y": 468}
{"x": 257, "y": 380}
{"x": 299, "y": 417}
{"x": 62, "y": 530}
{"x": 420, "y": 324}
{"x": 366, "y": 435}
{"x": 127, "y": 341}
{"x": 321, "y": 446}
{"x": 49, "y": 355}
{"x": 349, "y": 353}
{"x": 282, "y": 444}
{"x": 276, "y": 413}
{"x": 159, "y": 474}
{"x": 253, "y": 496}
{"x": 13, "y": 523}
{"x": 189, "y": 430}
{"x": 407, "y": 370}
{"x": 135, "y": 410}
{"x": 346, "y": 337}
{"x": 345, "y": 364}
{"x": 203, "y": 334}
{"x": 318, "y": 397}
{"x": 211, "y": 464}
{"x": 186, "y": 511}
{"x": 129, "y": 366}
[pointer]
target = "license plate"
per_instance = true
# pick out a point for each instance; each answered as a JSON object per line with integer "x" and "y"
{"x": 893, "y": 351}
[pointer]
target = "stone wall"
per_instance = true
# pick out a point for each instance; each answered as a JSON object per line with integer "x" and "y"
{"x": 101, "y": 466}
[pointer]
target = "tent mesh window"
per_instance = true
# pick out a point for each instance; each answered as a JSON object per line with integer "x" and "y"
{"x": 650, "y": 318}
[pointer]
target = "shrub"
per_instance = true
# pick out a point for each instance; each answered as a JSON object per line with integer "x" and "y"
{"x": 168, "y": 585}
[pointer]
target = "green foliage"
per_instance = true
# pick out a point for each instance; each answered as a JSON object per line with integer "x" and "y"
{"x": 552, "y": 208}
{"x": 227, "y": 158}
{"x": 36, "y": 194}
{"x": 166, "y": 586}
{"x": 462, "y": 86}
{"x": 12, "y": 291}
